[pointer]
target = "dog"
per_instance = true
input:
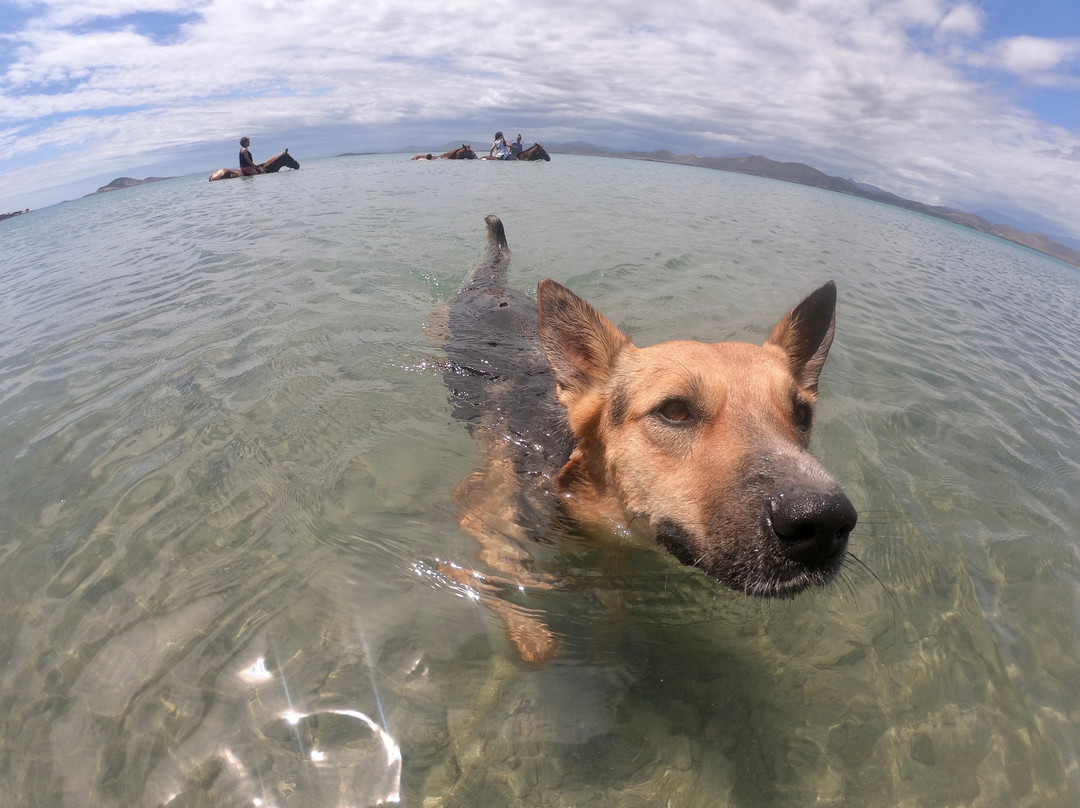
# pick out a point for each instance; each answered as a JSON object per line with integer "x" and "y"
{"x": 699, "y": 448}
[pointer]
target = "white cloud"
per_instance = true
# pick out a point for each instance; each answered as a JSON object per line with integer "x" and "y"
{"x": 873, "y": 88}
{"x": 1025, "y": 55}
{"x": 963, "y": 20}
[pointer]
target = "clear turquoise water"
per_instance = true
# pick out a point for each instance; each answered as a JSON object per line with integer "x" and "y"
{"x": 226, "y": 459}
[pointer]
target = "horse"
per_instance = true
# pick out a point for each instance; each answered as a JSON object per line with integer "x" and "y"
{"x": 534, "y": 152}
{"x": 464, "y": 153}
{"x": 271, "y": 166}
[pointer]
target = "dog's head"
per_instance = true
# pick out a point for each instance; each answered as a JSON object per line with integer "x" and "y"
{"x": 704, "y": 445}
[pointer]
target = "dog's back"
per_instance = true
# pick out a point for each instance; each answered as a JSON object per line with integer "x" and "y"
{"x": 501, "y": 382}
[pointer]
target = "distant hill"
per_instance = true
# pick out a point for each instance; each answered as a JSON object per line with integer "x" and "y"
{"x": 1031, "y": 223}
{"x": 125, "y": 182}
{"x": 758, "y": 166}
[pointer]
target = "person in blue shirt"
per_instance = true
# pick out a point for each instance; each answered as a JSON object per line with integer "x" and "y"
{"x": 516, "y": 148}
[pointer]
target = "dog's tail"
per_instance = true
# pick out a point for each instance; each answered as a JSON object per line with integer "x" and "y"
{"x": 491, "y": 271}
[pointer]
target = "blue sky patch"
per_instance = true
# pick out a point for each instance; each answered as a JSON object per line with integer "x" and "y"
{"x": 162, "y": 28}
{"x": 1007, "y": 18}
{"x": 15, "y": 17}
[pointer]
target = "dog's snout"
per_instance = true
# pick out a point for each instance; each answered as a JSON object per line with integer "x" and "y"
{"x": 812, "y": 526}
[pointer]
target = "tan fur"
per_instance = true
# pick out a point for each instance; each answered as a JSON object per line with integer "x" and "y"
{"x": 699, "y": 447}
{"x": 638, "y": 469}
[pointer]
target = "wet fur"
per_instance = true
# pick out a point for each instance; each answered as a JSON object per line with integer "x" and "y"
{"x": 700, "y": 448}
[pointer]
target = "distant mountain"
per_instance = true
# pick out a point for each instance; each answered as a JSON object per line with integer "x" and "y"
{"x": 1000, "y": 218}
{"x": 758, "y": 166}
{"x": 449, "y": 145}
{"x": 1068, "y": 242}
{"x": 126, "y": 182}
{"x": 1029, "y": 223}
{"x": 990, "y": 222}
{"x": 870, "y": 189}
{"x": 14, "y": 213}
{"x": 584, "y": 149}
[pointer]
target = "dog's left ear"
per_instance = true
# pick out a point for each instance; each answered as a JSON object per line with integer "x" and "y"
{"x": 806, "y": 334}
{"x": 581, "y": 344}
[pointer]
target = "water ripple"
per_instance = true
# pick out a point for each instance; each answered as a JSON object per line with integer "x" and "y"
{"x": 224, "y": 458}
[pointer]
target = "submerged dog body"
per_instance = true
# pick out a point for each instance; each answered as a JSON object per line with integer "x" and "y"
{"x": 698, "y": 447}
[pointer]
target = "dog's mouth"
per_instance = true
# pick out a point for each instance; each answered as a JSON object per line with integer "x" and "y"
{"x": 786, "y": 584}
{"x": 797, "y": 543}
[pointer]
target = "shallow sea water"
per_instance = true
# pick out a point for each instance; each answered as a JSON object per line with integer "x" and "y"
{"x": 226, "y": 465}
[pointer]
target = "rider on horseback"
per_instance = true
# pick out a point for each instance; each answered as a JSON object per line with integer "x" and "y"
{"x": 248, "y": 165}
{"x": 499, "y": 149}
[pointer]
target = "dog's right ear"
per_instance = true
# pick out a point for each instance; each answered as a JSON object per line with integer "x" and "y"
{"x": 581, "y": 344}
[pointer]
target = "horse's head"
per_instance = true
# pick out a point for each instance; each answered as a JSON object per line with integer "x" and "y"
{"x": 537, "y": 152}
{"x": 467, "y": 153}
{"x": 288, "y": 161}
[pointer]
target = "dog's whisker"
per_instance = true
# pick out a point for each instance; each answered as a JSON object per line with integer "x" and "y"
{"x": 846, "y": 585}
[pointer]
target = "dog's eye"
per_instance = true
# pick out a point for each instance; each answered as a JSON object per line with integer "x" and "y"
{"x": 803, "y": 415}
{"x": 675, "y": 411}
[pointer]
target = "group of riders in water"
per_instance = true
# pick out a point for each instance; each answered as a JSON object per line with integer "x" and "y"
{"x": 500, "y": 150}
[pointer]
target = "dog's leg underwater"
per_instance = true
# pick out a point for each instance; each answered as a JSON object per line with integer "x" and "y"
{"x": 488, "y": 334}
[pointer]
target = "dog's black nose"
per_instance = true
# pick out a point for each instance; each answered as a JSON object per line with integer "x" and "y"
{"x": 812, "y": 526}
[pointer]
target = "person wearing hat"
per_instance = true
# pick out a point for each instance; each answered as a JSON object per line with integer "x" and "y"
{"x": 248, "y": 166}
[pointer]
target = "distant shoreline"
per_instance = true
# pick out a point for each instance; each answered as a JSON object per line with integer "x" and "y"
{"x": 802, "y": 174}
{"x": 759, "y": 166}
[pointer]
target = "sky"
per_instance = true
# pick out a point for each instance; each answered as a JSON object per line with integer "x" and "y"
{"x": 972, "y": 104}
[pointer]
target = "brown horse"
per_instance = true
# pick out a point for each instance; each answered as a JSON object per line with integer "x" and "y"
{"x": 534, "y": 152}
{"x": 464, "y": 153}
{"x": 271, "y": 166}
